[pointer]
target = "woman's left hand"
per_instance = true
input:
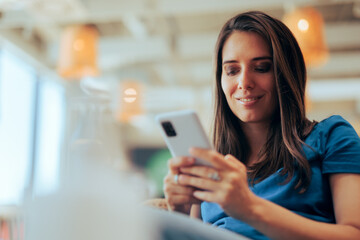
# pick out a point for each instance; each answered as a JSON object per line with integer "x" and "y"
{"x": 225, "y": 183}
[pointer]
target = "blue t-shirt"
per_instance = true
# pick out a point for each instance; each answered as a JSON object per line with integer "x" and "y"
{"x": 336, "y": 148}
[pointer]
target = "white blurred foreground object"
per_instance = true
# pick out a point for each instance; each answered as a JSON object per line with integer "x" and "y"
{"x": 99, "y": 204}
{"x": 95, "y": 200}
{"x": 95, "y": 135}
{"x": 178, "y": 226}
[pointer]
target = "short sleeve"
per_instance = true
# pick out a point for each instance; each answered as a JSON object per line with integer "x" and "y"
{"x": 341, "y": 147}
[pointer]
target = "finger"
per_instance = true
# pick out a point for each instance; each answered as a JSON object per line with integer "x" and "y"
{"x": 205, "y": 196}
{"x": 178, "y": 189}
{"x": 201, "y": 171}
{"x": 179, "y": 199}
{"x": 235, "y": 162}
{"x": 175, "y": 163}
{"x": 198, "y": 182}
{"x": 172, "y": 179}
{"x": 216, "y": 159}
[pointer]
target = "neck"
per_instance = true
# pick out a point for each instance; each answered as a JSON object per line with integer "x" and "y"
{"x": 256, "y": 136}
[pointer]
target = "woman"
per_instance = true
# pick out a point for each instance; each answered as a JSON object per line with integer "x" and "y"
{"x": 275, "y": 173}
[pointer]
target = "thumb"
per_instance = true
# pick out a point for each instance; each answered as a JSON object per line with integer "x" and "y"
{"x": 234, "y": 161}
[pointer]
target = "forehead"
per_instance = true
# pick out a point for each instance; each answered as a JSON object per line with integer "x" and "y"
{"x": 245, "y": 44}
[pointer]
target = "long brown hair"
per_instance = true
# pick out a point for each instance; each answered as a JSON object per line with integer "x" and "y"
{"x": 290, "y": 126}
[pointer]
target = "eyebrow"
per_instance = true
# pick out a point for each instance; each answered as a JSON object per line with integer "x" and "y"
{"x": 254, "y": 59}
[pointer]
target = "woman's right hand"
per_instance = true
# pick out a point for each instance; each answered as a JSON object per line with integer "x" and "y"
{"x": 178, "y": 197}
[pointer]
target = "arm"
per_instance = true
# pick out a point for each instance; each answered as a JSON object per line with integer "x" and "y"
{"x": 269, "y": 218}
{"x": 280, "y": 223}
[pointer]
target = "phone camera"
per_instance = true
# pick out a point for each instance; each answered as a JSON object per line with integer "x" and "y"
{"x": 169, "y": 129}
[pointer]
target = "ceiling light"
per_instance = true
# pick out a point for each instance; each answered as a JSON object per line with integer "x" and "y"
{"x": 78, "y": 52}
{"x": 303, "y": 25}
{"x": 307, "y": 25}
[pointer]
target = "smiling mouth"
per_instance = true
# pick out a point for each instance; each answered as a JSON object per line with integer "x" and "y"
{"x": 248, "y": 100}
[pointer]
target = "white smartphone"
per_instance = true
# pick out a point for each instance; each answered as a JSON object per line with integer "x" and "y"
{"x": 182, "y": 130}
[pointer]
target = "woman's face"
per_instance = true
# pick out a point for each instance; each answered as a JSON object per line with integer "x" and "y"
{"x": 248, "y": 79}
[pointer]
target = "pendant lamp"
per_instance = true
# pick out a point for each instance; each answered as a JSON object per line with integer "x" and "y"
{"x": 78, "y": 52}
{"x": 307, "y": 25}
{"x": 130, "y": 100}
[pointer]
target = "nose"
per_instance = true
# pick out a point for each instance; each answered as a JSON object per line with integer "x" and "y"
{"x": 245, "y": 81}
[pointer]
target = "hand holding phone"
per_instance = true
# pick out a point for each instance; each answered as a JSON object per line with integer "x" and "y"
{"x": 182, "y": 130}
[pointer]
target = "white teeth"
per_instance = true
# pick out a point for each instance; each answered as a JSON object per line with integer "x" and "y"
{"x": 248, "y": 99}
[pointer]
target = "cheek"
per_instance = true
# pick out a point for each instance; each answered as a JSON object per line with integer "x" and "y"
{"x": 226, "y": 87}
{"x": 268, "y": 85}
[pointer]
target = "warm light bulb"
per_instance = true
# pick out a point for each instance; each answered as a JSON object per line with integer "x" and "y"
{"x": 307, "y": 25}
{"x": 303, "y": 25}
{"x": 130, "y": 95}
{"x": 78, "y": 45}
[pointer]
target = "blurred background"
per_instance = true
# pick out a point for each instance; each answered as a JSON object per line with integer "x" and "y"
{"x": 79, "y": 74}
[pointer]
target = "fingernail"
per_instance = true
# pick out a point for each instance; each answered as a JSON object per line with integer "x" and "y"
{"x": 190, "y": 160}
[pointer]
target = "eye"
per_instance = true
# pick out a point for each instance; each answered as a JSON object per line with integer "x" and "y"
{"x": 231, "y": 71}
{"x": 263, "y": 68}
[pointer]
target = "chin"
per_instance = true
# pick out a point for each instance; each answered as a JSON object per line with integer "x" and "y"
{"x": 246, "y": 119}
{"x": 253, "y": 119}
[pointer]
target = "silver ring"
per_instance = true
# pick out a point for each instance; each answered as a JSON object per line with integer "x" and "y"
{"x": 176, "y": 179}
{"x": 214, "y": 176}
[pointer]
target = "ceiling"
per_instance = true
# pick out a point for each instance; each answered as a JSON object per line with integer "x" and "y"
{"x": 169, "y": 46}
{"x": 170, "y": 42}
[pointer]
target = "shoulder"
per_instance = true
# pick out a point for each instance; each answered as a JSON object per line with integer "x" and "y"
{"x": 338, "y": 144}
{"x": 334, "y": 127}
{"x": 331, "y": 135}
{"x": 332, "y": 122}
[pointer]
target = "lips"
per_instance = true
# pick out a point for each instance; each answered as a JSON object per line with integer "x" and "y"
{"x": 248, "y": 99}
